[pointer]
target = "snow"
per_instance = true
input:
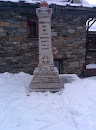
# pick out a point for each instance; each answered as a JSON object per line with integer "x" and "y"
{"x": 90, "y": 66}
{"x": 74, "y": 108}
{"x": 85, "y": 3}
{"x": 93, "y": 2}
{"x": 93, "y": 27}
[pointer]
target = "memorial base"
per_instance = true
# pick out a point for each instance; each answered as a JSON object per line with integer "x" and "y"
{"x": 45, "y": 81}
{"x": 40, "y": 87}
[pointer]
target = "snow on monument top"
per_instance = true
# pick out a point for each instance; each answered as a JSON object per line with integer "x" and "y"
{"x": 44, "y": 4}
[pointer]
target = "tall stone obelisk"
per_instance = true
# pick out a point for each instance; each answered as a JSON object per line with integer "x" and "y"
{"x": 45, "y": 76}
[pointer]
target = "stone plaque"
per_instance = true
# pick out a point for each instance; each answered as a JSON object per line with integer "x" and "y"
{"x": 45, "y": 76}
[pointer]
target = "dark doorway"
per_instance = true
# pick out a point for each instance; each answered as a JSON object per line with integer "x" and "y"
{"x": 59, "y": 65}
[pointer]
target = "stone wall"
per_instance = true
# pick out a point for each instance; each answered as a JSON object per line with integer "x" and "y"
{"x": 69, "y": 42}
{"x": 20, "y": 53}
{"x": 17, "y": 51}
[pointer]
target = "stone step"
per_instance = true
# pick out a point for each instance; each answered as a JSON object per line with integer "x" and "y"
{"x": 47, "y": 85}
{"x": 45, "y": 90}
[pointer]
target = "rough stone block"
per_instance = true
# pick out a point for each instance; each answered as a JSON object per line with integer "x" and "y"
{"x": 15, "y": 25}
{"x": 19, "y": 38}
{"x": 1, "y": 30}
{"x": 54, "y": 34}
{"x": 80, "y": 27}
{"x": 16, "y": 43}
{"x": 71, "y": 30}
{"x": 74, "y": 64}
{"x": 59, "y": 56}
{"x": 3, "y": 34}
{"x": 21, "y": 30}
{"x": 23, "y": 24}
{"x": 4, "y": 24}
{"x": 53, "y": 22}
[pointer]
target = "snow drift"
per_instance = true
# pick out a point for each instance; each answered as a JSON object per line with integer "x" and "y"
{"x": 74, "y": 108}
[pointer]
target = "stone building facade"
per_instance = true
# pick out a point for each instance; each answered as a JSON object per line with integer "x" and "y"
{"x": 19, "y": 51}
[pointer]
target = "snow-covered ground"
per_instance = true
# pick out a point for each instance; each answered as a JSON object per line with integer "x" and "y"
{"x": 74, "y": 108}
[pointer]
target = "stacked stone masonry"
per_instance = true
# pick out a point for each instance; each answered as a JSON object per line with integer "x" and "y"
{"x": 20, "y": 53}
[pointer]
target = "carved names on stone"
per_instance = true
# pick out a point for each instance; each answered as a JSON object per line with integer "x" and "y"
{"x": 45, "y": 47}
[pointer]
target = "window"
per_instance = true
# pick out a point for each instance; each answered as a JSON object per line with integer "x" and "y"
{"x": 59, "y": 65}
{"x": 92, "y": 42}
{"x": 32, "y": 28}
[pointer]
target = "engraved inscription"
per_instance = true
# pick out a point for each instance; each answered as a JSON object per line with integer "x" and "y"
{"x": 44, "y": 35}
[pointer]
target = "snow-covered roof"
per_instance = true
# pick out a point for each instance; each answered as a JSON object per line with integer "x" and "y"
{"x": 84, "y": 3}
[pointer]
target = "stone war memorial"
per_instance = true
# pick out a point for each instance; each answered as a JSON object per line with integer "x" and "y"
{"x": 45, "y": 76}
